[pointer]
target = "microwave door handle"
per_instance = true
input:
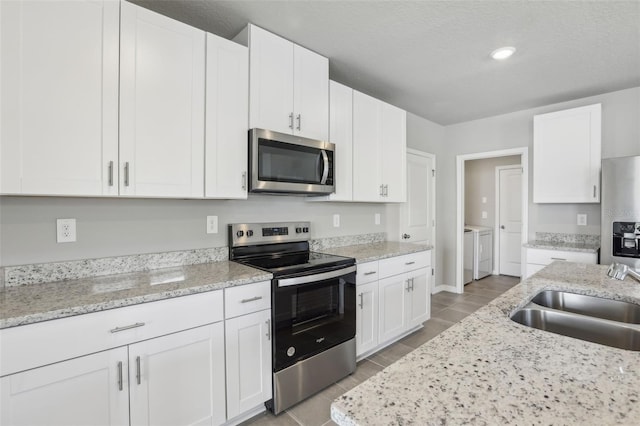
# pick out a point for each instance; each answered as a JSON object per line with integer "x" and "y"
{"x": 325, "y": 173}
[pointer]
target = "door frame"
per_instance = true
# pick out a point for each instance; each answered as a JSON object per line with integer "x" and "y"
{"x": 460, "y": 160}
{"x": 496, "y": 242}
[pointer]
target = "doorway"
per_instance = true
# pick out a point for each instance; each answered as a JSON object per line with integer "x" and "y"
{"x": 522, "y": 153}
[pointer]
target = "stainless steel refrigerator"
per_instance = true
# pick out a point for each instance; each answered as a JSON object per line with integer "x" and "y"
{"x": 620, "y": 223}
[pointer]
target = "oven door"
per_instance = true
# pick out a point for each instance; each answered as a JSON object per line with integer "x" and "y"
{"x": 312, "y": 313}
{"x": 290, "y": 164}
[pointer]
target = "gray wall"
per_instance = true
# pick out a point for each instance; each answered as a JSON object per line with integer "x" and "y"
{"x": 620, "y": 137}
{"x": 479, "y": 182}
{"x": 112, "y": 227}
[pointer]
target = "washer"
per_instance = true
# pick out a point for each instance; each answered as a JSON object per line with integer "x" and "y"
{"x": 482, "y": 251}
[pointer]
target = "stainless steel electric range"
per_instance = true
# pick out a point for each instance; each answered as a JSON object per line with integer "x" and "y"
{"x": 313, "y": 300}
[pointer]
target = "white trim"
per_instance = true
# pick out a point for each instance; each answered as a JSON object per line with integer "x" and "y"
{"x": 447, "y": 288}
{"x": 496, "y": 233}
{"x": 460, "y": 159}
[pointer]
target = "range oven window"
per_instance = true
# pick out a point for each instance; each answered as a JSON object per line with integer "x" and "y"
{"x": 626, "y": 239}
{"x": 284, "y": 162}
{"x": 316, "y": 306}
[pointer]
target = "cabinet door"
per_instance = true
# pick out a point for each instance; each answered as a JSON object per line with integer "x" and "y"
{"x": 59, "y": 106}
{"x": 366, "y": 317}
{"x": 178, "y": 379}
{"x": 419, "y": 298}
{"x": 341, "y": 134}
{"x": 367, "y": 116}
{"x": 394, "y": 156}
{"x": 310, "y": 94}
{"x": 226, "y": 119}
{"x": 566, "y": 156}
{"x": 392, "y": 304}
{"x": 270, "y": 81}
{"x": 161, "y": 105}
{"x": 89, "y": 390}
{"x": 248, "y": 348}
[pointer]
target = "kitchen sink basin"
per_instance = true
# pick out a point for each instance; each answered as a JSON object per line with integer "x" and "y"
{"x": 592, "y": 306}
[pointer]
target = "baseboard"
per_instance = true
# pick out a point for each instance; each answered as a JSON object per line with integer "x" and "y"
{"x": 388, "y": 343}
{"x": 246, "y": 415}
{"x": 449, "y": 288}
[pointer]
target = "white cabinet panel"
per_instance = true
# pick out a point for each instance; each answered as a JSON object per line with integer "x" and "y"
{"x": 367, "y": 117}
{"x": 341, "y": 134}
{"x": 248, "y": 349}
{"x": 59, "y": 106}
{"x": 245, "y": 299}
{"x": 227, "y": 99}
{"x": 566, "y": 156}
{"x": 89, "y": 390}
{"x": 394, "y": 155}
{"x": 310, "y": 94}
{"x": 539, "y": 258}
{"x": 419, "y": 304}
{"x": 393, "y": 307}
{"x": 366, "y": 317}
{"x": 162, "y": 86}
{"x": 367, "y": 272}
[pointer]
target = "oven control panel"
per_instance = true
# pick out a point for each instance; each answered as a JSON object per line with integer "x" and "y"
{"x": 244, "y": 234}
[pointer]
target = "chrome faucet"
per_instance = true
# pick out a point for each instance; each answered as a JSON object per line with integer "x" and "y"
{"x": 619, "y": 271}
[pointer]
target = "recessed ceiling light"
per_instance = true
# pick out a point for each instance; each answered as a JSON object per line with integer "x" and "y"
{"x": 503, "y": 53}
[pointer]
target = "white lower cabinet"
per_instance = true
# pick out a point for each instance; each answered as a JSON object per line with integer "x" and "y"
{"x": 89, "y": 390}
{"x": 418, "y": 307}
{"x": 539, "y": 258}
{"x": 366, "y": 317}
{"x": 392, "y": 307}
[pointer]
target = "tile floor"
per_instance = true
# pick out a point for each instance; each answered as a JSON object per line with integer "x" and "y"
{"x": 446, "y": 310}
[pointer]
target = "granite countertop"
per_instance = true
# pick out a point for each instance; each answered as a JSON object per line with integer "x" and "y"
{"x": 565, "y": 246}
{"x": 489, "y": 370}
{"x": 376, "y": 251}
{"x": 26, "y": 304}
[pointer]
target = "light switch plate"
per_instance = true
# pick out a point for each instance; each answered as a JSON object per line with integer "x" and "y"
{"x": 336, "y": 221}
{"x": 484, "y": 200}
{"x": 212, "y": 224}
{"x": 582, "y": 219}
{"x": 484, "y": 215}
{"x": 376, "y": 218}
{"x": 66, "y": 230}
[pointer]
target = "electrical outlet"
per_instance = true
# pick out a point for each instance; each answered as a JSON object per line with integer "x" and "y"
{"x": 336, "y": 221}
{"x": 484, "y": 215}
{"x": 66, "y": 230}
{"x": 212, "y": 224}
{"x": 484, "y": 200}
{"x": 582, "y": 219}
{"x": 376, "y": 218}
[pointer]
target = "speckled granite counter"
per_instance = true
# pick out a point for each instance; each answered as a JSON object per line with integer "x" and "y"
{"x": 28, "y": 304}
{"x": 565, "y": 246}
{"x": 489, "y": 370}
{"x": 376, "y": 251}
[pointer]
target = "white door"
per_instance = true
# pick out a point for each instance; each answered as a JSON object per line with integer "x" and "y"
{"x": 90, "y": 390}
{"x": 419, "y": 298}
{"x": 393, "y": 153}
{"x": 59, "y": 103}
{"x": 178, "y": 379}
{"x": 366, "y": 317}
{"x": 510, "y": 220}
{"x": 417, "y": 215}
{"x": 310, "y": 94}
{"x": 162, "y": 72}
{"x": 392, "y": 303}
{"x": 226, "y": 119}
{"x": 367, "y": 179}
{"x": 271, "y": 81}
{"x": 341, "y": 134}
{"x": 248, "y": 349}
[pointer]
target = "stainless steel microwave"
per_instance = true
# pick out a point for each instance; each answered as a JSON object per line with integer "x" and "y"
{"x": 281, "y": 163}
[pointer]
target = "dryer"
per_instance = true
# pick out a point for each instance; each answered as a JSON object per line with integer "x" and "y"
{"x": 483, "y": 251}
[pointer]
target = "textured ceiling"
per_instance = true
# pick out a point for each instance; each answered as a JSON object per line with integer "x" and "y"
{"x": 432, "y": 57}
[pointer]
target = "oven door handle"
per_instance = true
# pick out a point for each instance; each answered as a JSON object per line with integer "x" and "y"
{"x": 325, "y": 172}
{"x": 315, "y": 277}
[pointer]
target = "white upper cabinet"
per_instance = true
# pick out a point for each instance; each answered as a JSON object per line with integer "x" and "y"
{"x": 566, "y": 156}
{"x": 288, "y": 86}
{"x": 341, "y": 134}
{"x": 59, "y": 85}
{"x": 379, "y": 150}
{"x": 227, "y": 123}
{"x": 162, "y": 100}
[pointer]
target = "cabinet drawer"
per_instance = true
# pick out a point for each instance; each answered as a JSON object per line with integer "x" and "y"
{"x": 33, "y": 345}
{"x": 367, "y": 272}
{"x": 245, "y": 299}
{"x": 400, "y": 264}
{"x": 546, "y": 257}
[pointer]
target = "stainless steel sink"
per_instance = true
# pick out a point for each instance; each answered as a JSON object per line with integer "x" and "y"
{"x": 598, "y": 307}
{"x": 594, "y": 319}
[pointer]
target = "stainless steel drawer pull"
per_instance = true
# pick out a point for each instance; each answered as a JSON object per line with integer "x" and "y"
{"x": 110, "y": 173}
{"x": 138, "y": 373}
{"x": 244, "y": 180}
{"x": 409, "y": 263}
{"x": 126, "y": 327}
{"x": 361, "y": 304}
{"x": 557, "y": 258}
{"x": 126, "y": 174}
{"x": 299, "y": 121}
{"x": 253, "y": 299}
{"x": 268, "y": 329}
{"x": 120, "y": 376}
{"x": 291, "y": 121}
{"x": 594, "y": 191}
{"x": 370, "y": 273}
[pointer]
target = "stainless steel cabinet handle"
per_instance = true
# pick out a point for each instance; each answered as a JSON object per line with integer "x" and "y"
{"x": 361, "y": 304}
{"x": 370, "y": 273}
{"x": 268, "y": 329}
{"x": 244, "y": 180}
{"x": 138, "y": 373}
{"x": 253, "y": 299}
{"x": 299, "y": 121}
{"x": 557, "y": 258}
{"x": 291, "y": 121}
{"x": 126, "y": 327}
{"x": 120, "y": 376}
{"x": 408, "y": 287}
{"x": 594, "y": 191}
{"x": 126, "y": 173}
{"x": 411, "y": 284}
{"x": 409, "y": 263}
{"x": 110, "y": 173}
{"x": 386, "y": 190}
